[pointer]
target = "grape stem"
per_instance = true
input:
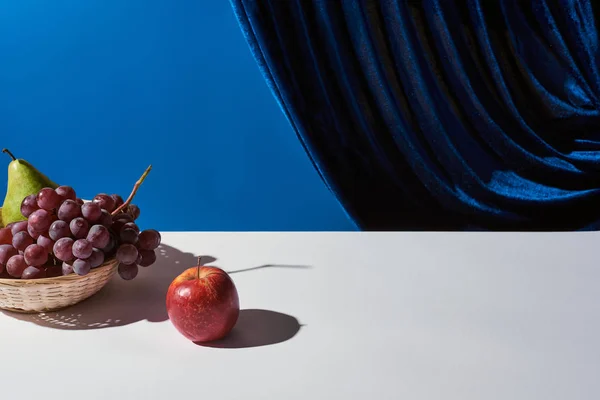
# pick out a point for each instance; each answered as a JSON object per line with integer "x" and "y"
{"x": 133, "y": 192}
{"x": 7, "y": 151}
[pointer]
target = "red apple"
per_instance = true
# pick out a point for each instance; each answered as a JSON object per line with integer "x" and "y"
{"x": 203, "y": 303}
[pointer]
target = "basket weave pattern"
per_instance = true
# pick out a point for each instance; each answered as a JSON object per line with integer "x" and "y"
{"x": 49, "y": 294}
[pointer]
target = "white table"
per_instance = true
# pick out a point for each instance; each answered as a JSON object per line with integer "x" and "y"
{"x": 339, "y": 316}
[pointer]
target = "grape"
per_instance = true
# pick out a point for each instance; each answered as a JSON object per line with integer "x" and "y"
{"x": 98, "y": 236}
{"x": 16, "y": 265}
{"x": 148, "y": 257}
{"x": 66, "y": 192}
{"x": 67, "y": 268}
{"x": 111, "y": 247}
{"x": 149, "y": 239}
{"x": 33, "y": 273}
{"x": 6, "y": 236}
{"x": 19, "y": 227}
{"x": 79, "y": 228}
{"x": 40, "y": 220}
{"x": 91, "y": 211}
{"x": 9, "y": 226}
{"x": 117, "y": 225}
{"x": 128, "y": 235}
{"x": 81, "y": 267}
{"x": 118, "y": 200}
{"x": 82, "y": 248}
{"x": 35, "y": 255}
{"x": 46, "y": 243}
{"x": 105, "y": 201}
{"x": 6, "y": 252}
{"x": 48, "y": 199}
{"x": 63, "y": 249}
{"x": 134, "y": 211}
{"x": 132, "y": 225}
{"x": 127, "y": 271}
{"x": 53, "y": 271}
{"x": 127, "y": 254}
{"x": 69, "y": 210}
{"x": 32, "y": 232}
{"x": 106, "y": 219}
{"x": 96, "y": 259}
{"x": 22, "y": 240}
{"x": 59, "y": 229}
{"x": 29, "y": 205}
{"x": 123, "y": 217}
{"x": 79, "y": 201}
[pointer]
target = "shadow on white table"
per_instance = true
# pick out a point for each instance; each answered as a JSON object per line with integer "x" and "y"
{"x": 122, "y": 303}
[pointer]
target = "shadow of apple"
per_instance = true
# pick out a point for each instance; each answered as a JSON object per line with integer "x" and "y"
{"x": 256, "y": 328}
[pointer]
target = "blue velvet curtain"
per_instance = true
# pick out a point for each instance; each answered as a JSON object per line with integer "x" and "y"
{"x": 441, "y": 114}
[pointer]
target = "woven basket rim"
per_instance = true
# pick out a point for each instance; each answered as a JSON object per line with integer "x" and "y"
{"x": 108, "y": 264}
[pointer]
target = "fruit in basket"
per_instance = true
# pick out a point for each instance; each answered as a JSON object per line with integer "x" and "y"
{"x": 128, "y": 271}
{"x": 81, "y": 266}
{"x": 35, "y": 255}
{"x": 16, "y": 265}
{"x": 149, "y": 239}
{"x": 99, "y": 236}
{"x": 82, "y": 249}
{"x": 91, "y": 211}
{"x": 104, "y": 202}
{"x": 58, "y": 230}
{"x": 6, "y": 235}
{"x": 29, "y": 205}
{"x": 33, "y": 273}
{"x": 79, "y": 227}
{"x": 46, "y": 243}
{"x": 66, "y": 192}
{"x": 6, "y": 252}
{"x": 97, "y": 258}
{"x": 23, "y": 180}
{"x": 146, "y": 258}
{"x": 22, "y": 240}
{"x": 69, "y": 210}
{"x": 62, "y": 234}
{"x": 18, "y": 227}
{"x": 40, "y": 220}
{"x": 203, "y": 304}
{"x": 127, "y": 254}
{"x": 48, "y": 199}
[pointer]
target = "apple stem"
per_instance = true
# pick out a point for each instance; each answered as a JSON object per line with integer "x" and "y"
{"x": 133, "y": 192}
{"x": 7, "y": 151}
{"x": 199, "y": 264}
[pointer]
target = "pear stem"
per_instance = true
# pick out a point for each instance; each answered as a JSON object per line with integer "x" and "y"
{"x": 7, "y": 151}
{"x": 199, "y": 263}
{"x": 133, "y": 192}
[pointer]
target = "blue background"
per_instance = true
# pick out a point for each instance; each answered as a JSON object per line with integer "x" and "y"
{"x": 91, "y": 92}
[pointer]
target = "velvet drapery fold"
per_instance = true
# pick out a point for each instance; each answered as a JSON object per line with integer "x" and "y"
{"x": 441, "y": 115}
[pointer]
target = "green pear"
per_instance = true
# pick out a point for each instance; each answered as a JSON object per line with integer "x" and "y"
{"x": 23, "y": 180}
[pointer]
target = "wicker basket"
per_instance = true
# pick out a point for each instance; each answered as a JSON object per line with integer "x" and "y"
{"x": 51, "y": 294}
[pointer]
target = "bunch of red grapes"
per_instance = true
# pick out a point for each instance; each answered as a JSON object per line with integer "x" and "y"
{"x": 64, "y": 235}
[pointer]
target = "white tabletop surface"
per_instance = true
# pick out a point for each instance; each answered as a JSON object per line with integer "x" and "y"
{"x": 334, "y": 316}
